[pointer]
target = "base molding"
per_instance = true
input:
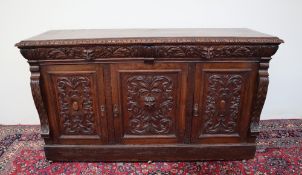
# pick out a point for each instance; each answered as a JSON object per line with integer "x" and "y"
{"x": 150, "y": 152}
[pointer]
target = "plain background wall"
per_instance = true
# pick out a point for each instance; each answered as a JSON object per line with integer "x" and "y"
{"x": 23, "y": 19}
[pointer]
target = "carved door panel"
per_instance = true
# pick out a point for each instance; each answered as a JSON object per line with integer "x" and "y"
{"x": 149, "y": 102}
{"x": 76, "y": 103}
{"x": 222, "y": 102}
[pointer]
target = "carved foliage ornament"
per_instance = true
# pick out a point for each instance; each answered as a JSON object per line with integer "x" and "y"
{"x": 37, "y": 96}
{"x": 156, "y": 51}
{"x": 76, "y": 105}
{"x": 222, "y": 104}
{"x": 259, "y": 101}
{"x": 151, "y": 98}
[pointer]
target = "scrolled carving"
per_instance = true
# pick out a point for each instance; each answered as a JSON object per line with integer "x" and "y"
{"x": 260, "y": 98}
{"x": 222, "y": 104}
{"x": 150, "y": 100}
{"x": 114, "y": 51}
{"x": 263, "y": 81}
{"x": 76, "y": 104}
{"x": 88, "y": 54}
{"x": 216, "y": 51}
{"x": 156, "y": 51}
{"x": 39, "y": 103}
{"x": 185, "y": 51}
{"x": 208, "y": 52}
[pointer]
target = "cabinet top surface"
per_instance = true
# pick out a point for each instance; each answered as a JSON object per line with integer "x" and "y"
{"x": 148, "y": 36}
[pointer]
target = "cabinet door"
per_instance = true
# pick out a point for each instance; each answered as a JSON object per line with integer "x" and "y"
{"x": 76, "y": 104}
{"x": 222, "y": 102}
{"x": 149, "y": 102}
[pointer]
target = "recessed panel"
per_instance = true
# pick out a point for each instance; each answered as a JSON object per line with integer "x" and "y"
{"x": 222, "y": 99}
{"x": 76, "y": 111}
{"x": 74, "y": 100}
{"x": 149, "y": 100}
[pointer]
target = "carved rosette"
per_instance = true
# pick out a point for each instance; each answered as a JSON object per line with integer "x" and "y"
{"x": 156, "y": 51}
{"x": 76, "y": 113}
{"x": 150, "y": 98}
{"x": 222, "y": 104}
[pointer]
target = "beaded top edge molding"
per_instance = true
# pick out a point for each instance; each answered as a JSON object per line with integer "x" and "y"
{"x": 148, "y": 36}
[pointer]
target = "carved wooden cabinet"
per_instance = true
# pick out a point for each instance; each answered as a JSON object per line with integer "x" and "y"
{"x": 149, "y": 94}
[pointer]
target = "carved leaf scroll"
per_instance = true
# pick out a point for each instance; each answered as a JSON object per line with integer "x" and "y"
{"x": 37, "y": 96}
{"x": 150, "y": 99}
{"x": 156, "y": 51}
{"x": 222, "y": 104}
{"x": 76, "y": 105}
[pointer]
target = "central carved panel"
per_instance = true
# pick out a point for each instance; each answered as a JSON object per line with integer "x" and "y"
{"x": 150, "y": 104}
{"x": 76, "y": 112}
{"x": 222, "y": 103}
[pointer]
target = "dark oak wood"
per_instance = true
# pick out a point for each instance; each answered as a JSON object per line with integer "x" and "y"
{"x": 223, "y": 96}
{"x": 163, "y": 152}
{"x": 149, "y": 94}
{"x": 148, "y": 98}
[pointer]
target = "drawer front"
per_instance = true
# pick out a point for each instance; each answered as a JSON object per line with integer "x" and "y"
{"x": 148, "y": 102}
{"x": 75, "y": 95}
{"x": 222, "y": 102}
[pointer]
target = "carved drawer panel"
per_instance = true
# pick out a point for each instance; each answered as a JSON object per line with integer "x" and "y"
{"x": 75, "y": 95}
{"x": 149, "y": 102}
{"x": 220, "y": 94}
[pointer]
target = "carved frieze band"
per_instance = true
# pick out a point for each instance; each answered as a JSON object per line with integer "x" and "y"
{"x": 37, "y": 96}
{"x": 156, "y": 51}
{"x": 259, "y": 100}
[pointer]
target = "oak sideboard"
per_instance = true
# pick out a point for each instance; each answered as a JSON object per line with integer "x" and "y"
{"x": 149, "y": 94}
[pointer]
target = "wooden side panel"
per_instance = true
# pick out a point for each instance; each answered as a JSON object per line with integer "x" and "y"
{"x": 149, "y": 102}
{"x": 223, "y": 96}
{"x": 76, "y": 103}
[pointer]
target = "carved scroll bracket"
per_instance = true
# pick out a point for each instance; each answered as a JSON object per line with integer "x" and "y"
{"x": 38, "y": 100}
{"x": 262, "y": 86}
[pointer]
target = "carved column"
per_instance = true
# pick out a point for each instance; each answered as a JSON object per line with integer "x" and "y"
{"x": 263, "y": 80}
{"x": 37, "y": 96}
